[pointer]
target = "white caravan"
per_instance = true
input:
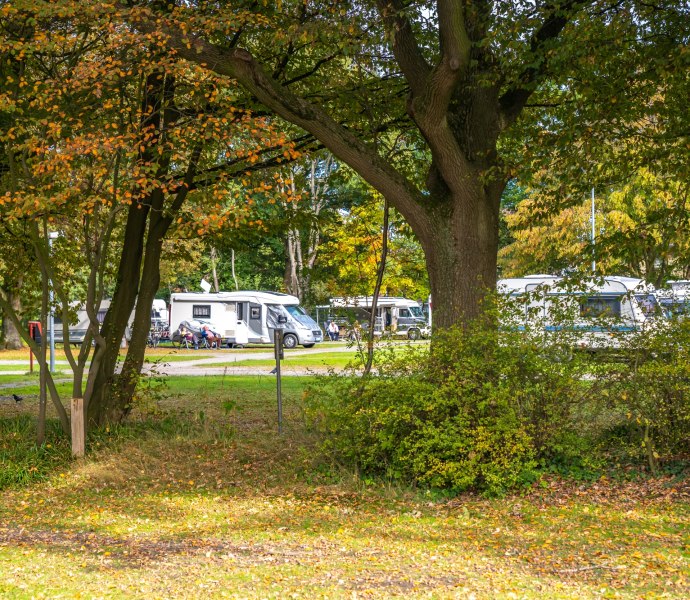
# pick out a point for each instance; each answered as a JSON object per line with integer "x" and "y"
{"x": 247, "y": 316}
{"x": 675, "y": 301}
{"x": 395, "y": 315}
{"x": 599, "y": 313}
{"x": 78, "y": 328}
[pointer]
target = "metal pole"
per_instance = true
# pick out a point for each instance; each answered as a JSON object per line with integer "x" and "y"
{"x": 51, "y": 314}
{"x": 278, "y": 345}
{"x": 594, "y": 262}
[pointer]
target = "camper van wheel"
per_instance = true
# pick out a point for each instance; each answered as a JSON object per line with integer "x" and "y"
{"x": 289, "y": 341}
{"x": 414, "y": 334}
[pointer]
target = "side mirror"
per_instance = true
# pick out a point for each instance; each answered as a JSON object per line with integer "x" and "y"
{"x": 282, "y": 319}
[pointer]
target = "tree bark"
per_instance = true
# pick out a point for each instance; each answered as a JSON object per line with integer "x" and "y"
{"x": 12, "y": 340}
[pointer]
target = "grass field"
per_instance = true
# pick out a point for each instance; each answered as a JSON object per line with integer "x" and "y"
{"x": 334, "y": 360}
{"x": 199, "y": 497}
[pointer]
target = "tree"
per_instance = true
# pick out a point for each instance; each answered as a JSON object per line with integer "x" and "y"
{"x": 453, "y": 78}
{"x": 641, "y": 230}
{"x": 109, "y": 141}
{"x": 304, "y": 210}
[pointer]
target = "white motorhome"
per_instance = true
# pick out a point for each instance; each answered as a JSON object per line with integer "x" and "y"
{"x": 395, "y": 315}
{"x": 675, "y": 301}
{"x": 247, "y": 316}
{"x": 599, "y": 313}
{"x": 159, "y": 313}
{"x": 78, "y": 328}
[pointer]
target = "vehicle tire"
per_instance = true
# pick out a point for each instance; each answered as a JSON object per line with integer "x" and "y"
{"x": 290, "y": 341}
{"x": 414, "y": 334}
{"x": 308, "y": 345}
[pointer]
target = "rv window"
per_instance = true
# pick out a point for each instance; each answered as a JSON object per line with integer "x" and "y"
{"x": 600, "y": 307}
{"x": 101, "y": 315}
{"x": 201, "y": 311}
{"x": 240, "y": 311}
{"x": 415, "y": 311}
{"x": 255, "y": 312}
{"x": 296, "y": 311}
{"x": 403, "y": 312}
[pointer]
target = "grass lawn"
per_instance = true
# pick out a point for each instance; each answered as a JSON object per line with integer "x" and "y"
{"x": 199, "y": 497}
{"x": 335, "y": 360}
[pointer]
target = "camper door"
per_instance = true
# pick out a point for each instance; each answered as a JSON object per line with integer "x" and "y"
{"x": 255, "y": 323}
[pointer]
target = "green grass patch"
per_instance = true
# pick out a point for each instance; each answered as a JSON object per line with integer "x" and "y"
{"x": 335, "y": 360}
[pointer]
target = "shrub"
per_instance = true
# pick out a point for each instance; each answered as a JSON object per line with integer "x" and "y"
{"x": 475, "y": 413}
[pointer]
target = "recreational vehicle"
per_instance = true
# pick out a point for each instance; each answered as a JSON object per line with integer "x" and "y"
{"x": 79, "y": 327}
{"x": 247, "y": 316}
{"x": 597, "y": 314}
{"x": 394, "y": 315}
{"x": 675, "y": 301}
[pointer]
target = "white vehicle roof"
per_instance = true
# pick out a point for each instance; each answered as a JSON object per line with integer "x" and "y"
{"x": 680, "y": 287}
{"x": 366, "y": 301}
{"x": 240, "y": 296}
{"x": 613, "y": 284}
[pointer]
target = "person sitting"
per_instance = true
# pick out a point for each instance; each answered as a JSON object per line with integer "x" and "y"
{"x": 333, "y": 331}
{"x": 212, "y": 338}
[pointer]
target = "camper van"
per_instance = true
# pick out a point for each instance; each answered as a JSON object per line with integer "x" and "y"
{"x": 247, "y": 317}
{"x": 599, "y": 313}
{"x": 78, "y": 328}
{"x": 394, "y": 315}
{"x": 675, "y": 300}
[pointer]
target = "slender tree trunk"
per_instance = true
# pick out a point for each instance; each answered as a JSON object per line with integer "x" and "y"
{"x": 232, "y": 265}
{"x": 377, "y": 291}
{"x": 10, "y": 336}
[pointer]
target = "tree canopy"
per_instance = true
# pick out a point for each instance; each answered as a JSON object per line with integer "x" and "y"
{"x": 469, "y": 90}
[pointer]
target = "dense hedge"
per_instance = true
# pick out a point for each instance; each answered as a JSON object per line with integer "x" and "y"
{"x": 491, "y": 408}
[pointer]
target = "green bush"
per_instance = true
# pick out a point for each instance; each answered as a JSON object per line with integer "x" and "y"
{"x": 476, "y": 413}
{"x": 489, "y": 407}
{"x": 652, "y": 397}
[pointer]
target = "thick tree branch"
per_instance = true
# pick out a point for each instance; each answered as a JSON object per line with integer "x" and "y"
{"x": 240, "y": 65}
{"x": 514, "y": 99}
{"x": 410, "y": 58}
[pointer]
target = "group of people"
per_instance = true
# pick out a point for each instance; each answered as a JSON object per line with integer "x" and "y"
{"x": 206, "y": 337}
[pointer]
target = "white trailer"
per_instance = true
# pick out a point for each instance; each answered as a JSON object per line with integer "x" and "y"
{"x": 247, "y": 316}
{"x": 79, "y": 327}
{"x": 395, "y": 315}
{"x": 598, "y": 313}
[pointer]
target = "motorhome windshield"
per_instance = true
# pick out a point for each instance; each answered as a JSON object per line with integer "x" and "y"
{"x": 648, "y": 304}
{"x": 415, "y": 311}
{"x": 299, "y": 314}
{"x": 296, "y": 311}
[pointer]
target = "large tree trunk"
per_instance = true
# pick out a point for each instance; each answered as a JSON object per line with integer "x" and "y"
{"x": 461, "y": 248}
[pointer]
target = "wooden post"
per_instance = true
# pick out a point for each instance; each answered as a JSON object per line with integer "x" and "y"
{"x": 77, "y": 417}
